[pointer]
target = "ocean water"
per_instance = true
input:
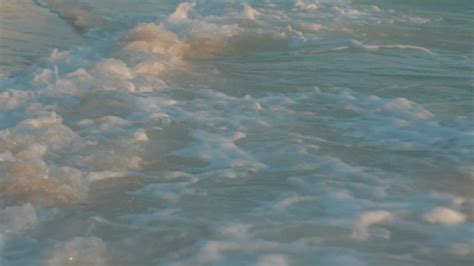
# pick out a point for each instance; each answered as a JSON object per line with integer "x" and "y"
{"x": 224, "y": 132}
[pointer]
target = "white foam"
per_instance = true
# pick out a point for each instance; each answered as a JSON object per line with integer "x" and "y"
{"x": 235, "y": 230}
{"x": 391, "y": 47}
{"x": 2, "y": 244}
{"x": 249, "y": 12}
{"x": 301, "y": 4}
{"x": 342, "y": 259}
{"x": 141, "y": 136}
{"x": 462, "y": 249}
{"x": 290, "y": 201}
{"x": 220, "y": 152}
{"x": 346, "y": 11}
{"x": 312, "y": 27}
{"x": 103, "y": 175}
{"x": 178, "y": 176}
{"x": 153, "y": 38}
{"x": 139, "y": 104}
{"x": 181, "y": 12}
{"x": 273, "y": 260}
{"x": 7, "y": 157}
{"x": 13, "y": 99}
{"x": 365, "y": 220}
{"x": 46, "y": 130}
{"x": 170, "y": 193}
{"x": 112, "y": 67}
{"x": 212, "y": 251}
{"x": 35, "y": 182}
{"x": 17, "y": 219}
{"x": 443, "y": 215}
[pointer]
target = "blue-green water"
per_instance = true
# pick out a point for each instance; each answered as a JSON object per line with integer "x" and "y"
{"x": 236, "y": 133}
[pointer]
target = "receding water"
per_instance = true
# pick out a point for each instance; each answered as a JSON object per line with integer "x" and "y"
{"x": 221, "y": 132}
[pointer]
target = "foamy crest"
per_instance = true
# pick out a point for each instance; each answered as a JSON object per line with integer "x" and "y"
{"x": 201, "y": 37}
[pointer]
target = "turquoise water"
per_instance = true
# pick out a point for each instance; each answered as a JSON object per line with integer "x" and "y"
{"x": 236, "y": 133}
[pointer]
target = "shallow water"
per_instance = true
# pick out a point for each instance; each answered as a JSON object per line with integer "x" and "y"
{"x": 228, "y": 133}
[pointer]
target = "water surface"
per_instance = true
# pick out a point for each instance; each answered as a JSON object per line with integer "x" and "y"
{"x": 214, "y": 132}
